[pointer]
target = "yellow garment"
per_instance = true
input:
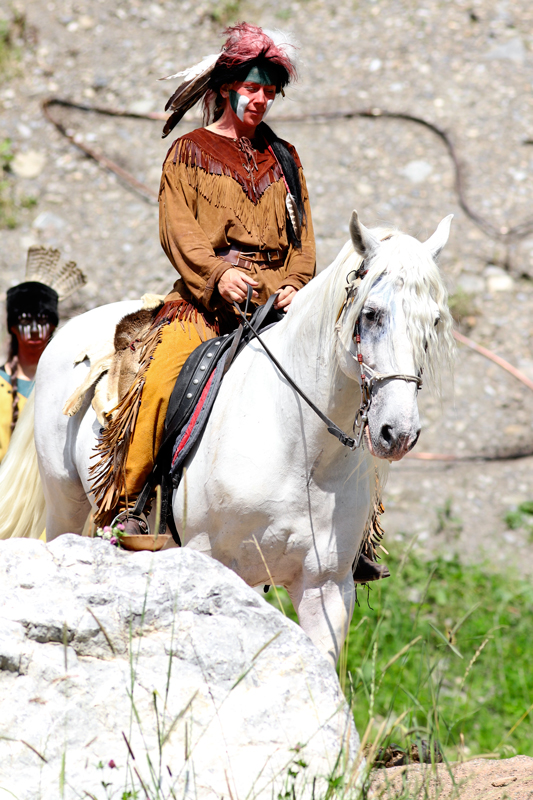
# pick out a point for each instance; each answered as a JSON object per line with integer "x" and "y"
{"x": 178, "y": 340}
{"x": 6, "y": 413}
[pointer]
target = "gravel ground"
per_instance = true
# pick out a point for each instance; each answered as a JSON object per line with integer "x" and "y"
{"x": 464, "y": 66}
{"x": 479, "y": 779}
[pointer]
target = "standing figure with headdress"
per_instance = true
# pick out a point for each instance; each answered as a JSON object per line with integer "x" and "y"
{"x": 32, "y": 317}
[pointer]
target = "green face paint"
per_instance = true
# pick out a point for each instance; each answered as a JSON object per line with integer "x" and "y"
{"x": 260, "y": 75}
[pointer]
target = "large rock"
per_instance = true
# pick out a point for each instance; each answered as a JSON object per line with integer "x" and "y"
{"x": 217, "y": 694}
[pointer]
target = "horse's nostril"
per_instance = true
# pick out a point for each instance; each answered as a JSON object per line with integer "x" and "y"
{"x": 414, "y": 441}
{"x": 386, "y": 434}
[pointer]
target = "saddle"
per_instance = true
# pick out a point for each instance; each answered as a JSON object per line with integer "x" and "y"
{"x": 113, "y": 361}
{"x": 189, "y": 407}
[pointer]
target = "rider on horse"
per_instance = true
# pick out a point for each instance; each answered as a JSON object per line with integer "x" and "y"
{"x": 234, "y": 213}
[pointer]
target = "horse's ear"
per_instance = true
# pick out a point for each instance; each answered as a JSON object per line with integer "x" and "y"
{"x": 363, "y": 240}
{"x": 436, "y": 242}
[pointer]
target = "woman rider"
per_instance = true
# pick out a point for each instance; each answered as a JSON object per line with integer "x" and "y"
{"x": 224, "y": 226}
{"x": 234, "y": 212}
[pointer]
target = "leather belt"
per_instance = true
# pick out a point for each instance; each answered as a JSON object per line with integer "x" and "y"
{"x": 264, "y": 259}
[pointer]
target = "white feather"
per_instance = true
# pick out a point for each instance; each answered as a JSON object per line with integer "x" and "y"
{"x": 192, "y": 72}
{"x": 286, "y": 42}
{"x": 292, "y": 210}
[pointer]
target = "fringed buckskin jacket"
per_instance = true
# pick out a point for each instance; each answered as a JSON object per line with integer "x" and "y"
{"x": 216, "y": 193}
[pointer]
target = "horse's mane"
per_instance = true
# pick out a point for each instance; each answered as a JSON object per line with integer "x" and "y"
{"x": 400, "y": 258}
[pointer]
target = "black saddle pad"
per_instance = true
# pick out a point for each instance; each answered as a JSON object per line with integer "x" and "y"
{"x": 202, "y": 362}
{"x": 187, "y": 391}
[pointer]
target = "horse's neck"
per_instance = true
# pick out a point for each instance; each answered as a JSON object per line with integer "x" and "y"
{"x": 306, "y": 345}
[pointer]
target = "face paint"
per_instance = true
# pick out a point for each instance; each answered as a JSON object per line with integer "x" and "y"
{"x": 238, "y": 103}
{"x": 269, "y": 105}
{"x": 34, "y": 329}
{"x": 260, "y": 75}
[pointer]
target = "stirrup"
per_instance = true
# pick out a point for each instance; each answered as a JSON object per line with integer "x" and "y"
{"x": 141, "y": 518}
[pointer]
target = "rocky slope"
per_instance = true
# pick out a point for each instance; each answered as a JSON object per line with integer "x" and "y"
{"x": 156, "y": 671}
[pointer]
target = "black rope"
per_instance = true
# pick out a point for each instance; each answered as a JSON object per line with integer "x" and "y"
{"x": 334, "y": 429}
{"x": 502, "y": 234}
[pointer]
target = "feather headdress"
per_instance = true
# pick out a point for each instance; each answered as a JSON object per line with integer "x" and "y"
{"x": 46, "y": 282}
{"x": 43, "y": 266}
{"x": 246, "y": 45}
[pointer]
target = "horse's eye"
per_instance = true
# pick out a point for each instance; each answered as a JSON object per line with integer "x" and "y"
{"x": 437, "y": 320}
{"x": 371, "y": 314}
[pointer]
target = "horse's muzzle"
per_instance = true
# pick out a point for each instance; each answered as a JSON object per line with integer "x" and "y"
{"x": 392, "y": 444}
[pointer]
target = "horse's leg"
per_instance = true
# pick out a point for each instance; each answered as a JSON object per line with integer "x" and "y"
{"x": 67, "y": 507}
{"x": 63, "y": 448}
{"x": 324, "y": 611}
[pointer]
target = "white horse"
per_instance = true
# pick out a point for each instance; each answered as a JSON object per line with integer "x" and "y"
{"x": 268, "y": 491}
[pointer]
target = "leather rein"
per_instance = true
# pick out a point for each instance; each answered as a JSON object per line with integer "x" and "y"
{"x": 368, "y": 377}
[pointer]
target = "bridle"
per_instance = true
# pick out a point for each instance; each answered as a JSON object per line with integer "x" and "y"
{"x": 368, "y": 376}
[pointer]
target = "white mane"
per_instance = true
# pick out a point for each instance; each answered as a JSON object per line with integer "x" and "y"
{"x": 406, "y": 263}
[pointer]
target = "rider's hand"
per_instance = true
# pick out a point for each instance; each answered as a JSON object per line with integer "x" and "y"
{"x": 232, "y": 285}
{"x": 285, "y": 297}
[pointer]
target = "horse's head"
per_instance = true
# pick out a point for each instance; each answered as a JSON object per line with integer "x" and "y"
{"x": 394, "y": 326}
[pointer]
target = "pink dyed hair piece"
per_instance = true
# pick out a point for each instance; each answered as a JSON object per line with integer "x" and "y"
{"x": 246, "y": 42}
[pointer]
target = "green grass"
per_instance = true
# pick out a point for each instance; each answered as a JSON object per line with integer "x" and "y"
{"x": 225, "y": 12}
{"x": 466, "y": 678}
{"x": 14, "y": 32}
{"x": 462, "y": 306}
{"x": 6, "y": 47}
{"x": 8, "y": 217}
{"x": 521, "y": 517}
{"x": 10, "y": 204}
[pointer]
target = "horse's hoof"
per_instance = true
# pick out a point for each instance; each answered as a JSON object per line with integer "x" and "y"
{"x": 367, "y": 570}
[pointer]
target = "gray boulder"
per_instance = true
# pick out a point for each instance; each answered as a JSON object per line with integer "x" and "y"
{"x": 160, "y": 673}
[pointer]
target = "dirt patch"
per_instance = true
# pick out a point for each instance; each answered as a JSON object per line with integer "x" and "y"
{"x": 479, "y": 779}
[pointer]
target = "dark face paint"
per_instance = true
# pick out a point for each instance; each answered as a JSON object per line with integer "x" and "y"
{"x": 260, "y": 75}
{"x": 33, "y": 329}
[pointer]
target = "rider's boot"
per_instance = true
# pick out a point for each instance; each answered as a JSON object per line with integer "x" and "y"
{"x": 134, "y": 526}
{"x": 368, "y": 570}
